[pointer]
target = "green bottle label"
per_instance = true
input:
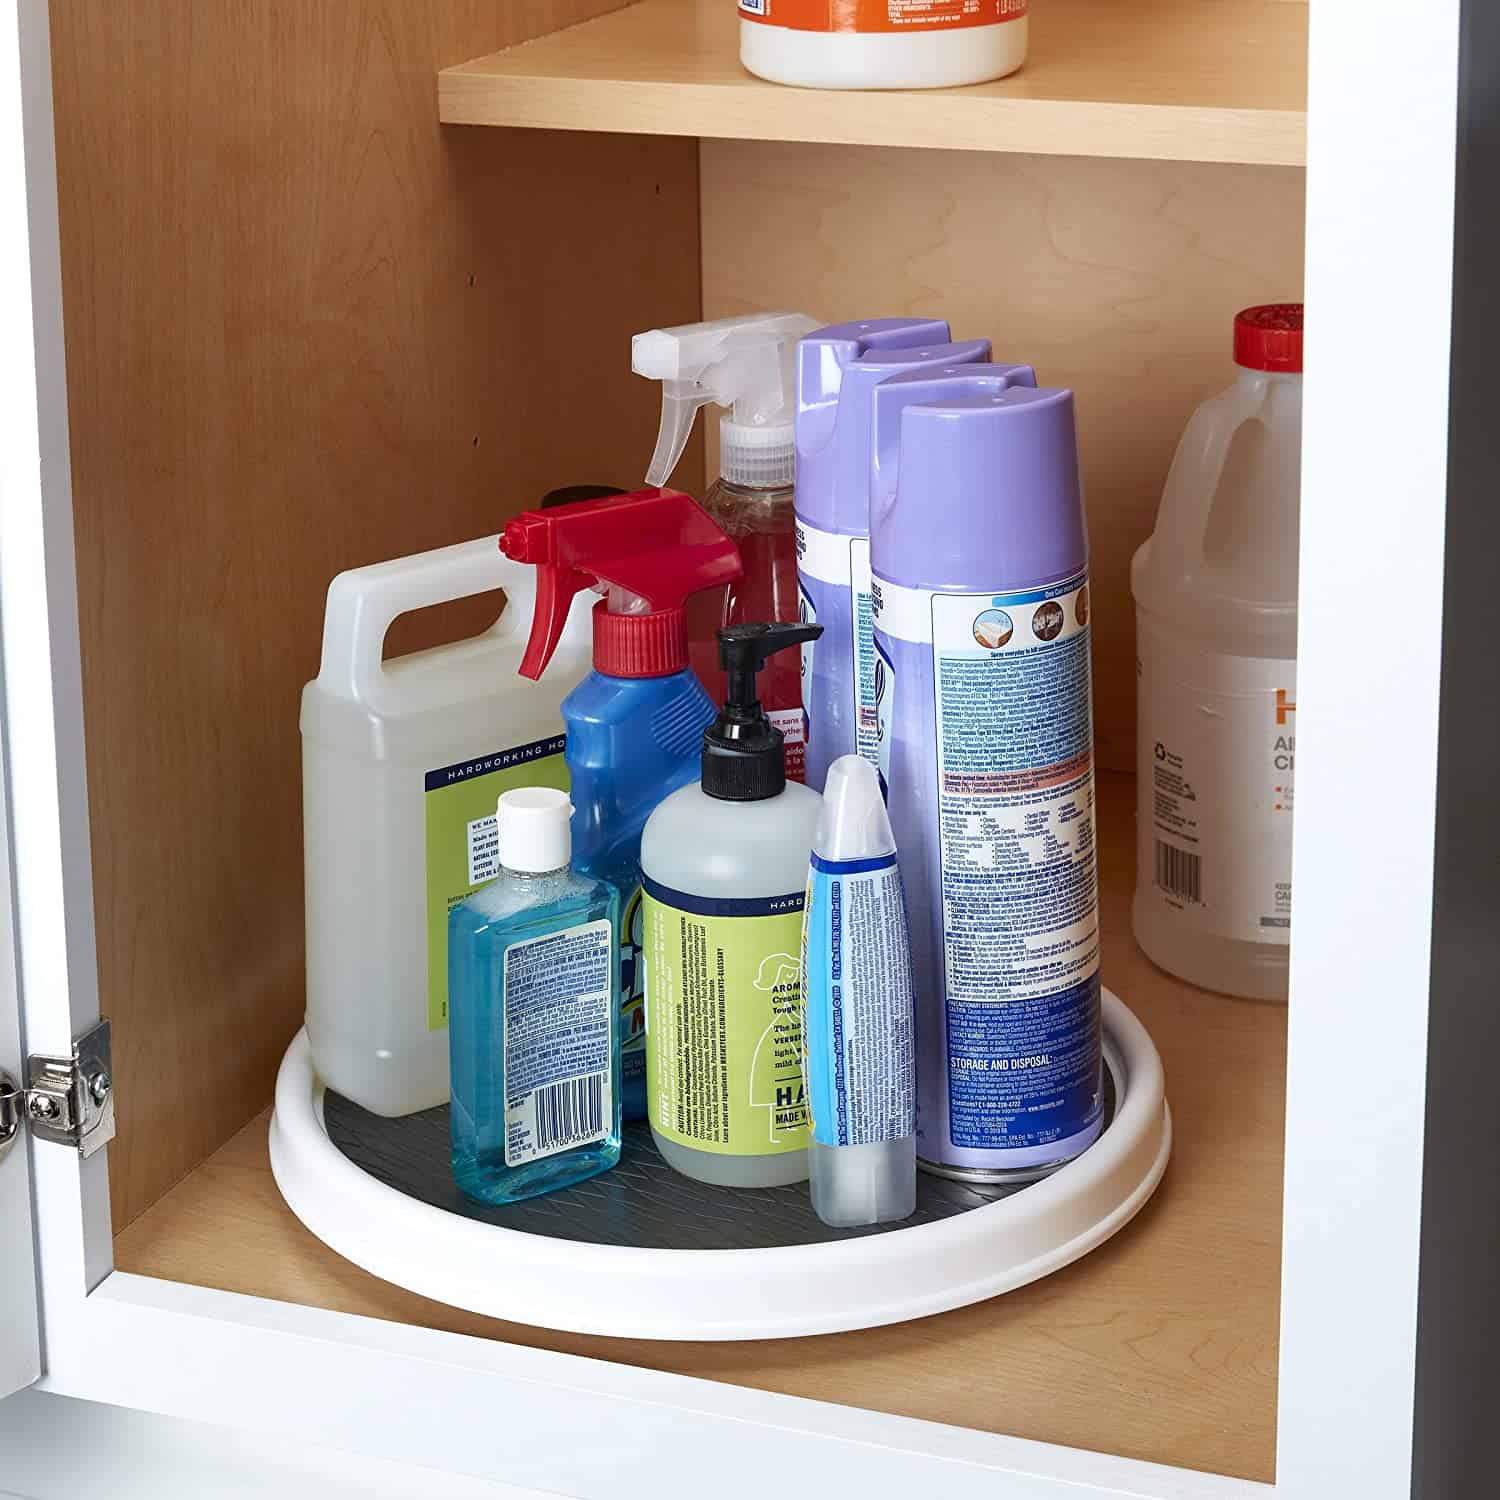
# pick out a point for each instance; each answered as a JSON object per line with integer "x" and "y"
{"x": 462, "y": 845}
{"x": 632, "y": 987}
{"x": 724, "y": 1021}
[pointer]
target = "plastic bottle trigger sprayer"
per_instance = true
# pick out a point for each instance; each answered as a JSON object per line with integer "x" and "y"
{"x": 635, "y": 723}
{"x": 744, "y": 364}
{"x": 748, "y": 366}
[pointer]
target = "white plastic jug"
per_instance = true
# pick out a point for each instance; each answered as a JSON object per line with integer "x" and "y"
{"x": 1216, "y": 664}
{"x": 402, "y": 764}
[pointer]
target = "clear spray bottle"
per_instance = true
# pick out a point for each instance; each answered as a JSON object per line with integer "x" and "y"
{"x": 748, "y": 366}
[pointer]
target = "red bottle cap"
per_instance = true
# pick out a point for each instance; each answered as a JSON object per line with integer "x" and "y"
{"x": 1270, "y": 338}
{"x": 646, "y": 645}
{"x": 658, "y": 545}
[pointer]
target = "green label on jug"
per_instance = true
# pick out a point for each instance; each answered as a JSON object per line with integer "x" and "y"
{"x": 462, "y": 845}
{"x": 724, "y": 1021}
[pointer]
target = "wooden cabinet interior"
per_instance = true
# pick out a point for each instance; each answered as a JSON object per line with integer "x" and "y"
{"x": 1119, "y": 279}
{"x": 1180, "y": 80}
{"x": 309, "y": 328}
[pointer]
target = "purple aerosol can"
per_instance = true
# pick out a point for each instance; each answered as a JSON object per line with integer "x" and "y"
{"x": 979, "y": 556}
{"x": 837, "y": 367}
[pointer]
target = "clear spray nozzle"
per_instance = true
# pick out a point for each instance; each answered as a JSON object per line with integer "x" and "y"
{"x": 681, "y": 401}
{"x": 745, "y": 364}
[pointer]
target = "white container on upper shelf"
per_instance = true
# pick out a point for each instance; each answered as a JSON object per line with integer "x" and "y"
{"x": 402, "y": 764}
{"x": 882, "y": 44}
{"x": 1216, "y": 665}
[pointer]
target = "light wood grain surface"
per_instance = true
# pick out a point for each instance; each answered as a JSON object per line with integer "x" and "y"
{"x": 307, "y": 329}
{"x": 1180, "y": 80}
{"x": 1161, "y": 1345}
{"x": 1117, "y": 279}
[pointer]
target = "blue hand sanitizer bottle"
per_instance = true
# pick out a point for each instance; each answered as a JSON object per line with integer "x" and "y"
{"x": 533, "y": 982}
{"x": 635, "y": 723}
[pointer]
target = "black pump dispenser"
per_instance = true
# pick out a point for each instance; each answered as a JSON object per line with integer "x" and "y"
{"x": 744, "y": 757}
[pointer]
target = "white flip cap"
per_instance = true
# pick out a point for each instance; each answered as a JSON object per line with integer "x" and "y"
{"x": 533, "y": 828}
{"x": 853, "y": 822}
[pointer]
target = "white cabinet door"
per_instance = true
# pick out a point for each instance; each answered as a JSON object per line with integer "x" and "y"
{"x": 20, "y": 1338}
{"x": 37, "y": 619}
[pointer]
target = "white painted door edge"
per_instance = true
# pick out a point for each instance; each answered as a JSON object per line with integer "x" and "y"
{"x": 557, "y": 1422}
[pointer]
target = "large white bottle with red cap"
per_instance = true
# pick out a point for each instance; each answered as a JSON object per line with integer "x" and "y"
{"x": 1216, "y": 665}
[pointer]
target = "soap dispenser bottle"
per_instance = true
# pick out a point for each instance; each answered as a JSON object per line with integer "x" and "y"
{"x": 635, "y": 723}
{"x": 724, "y": 868}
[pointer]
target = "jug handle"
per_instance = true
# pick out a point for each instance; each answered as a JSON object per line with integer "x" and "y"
{"x": 364, "y": 602}
{"x": 1199, "y": 464}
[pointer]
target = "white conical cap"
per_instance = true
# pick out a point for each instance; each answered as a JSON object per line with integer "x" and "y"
{"x": 532, "y": 828}
{"x": 853, "y": 822}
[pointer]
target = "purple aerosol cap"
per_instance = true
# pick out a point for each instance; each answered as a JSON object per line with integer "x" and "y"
{"x": 975, "y": 481}
{"x": 822, "y": 358}
{"x": 845, "y": 507}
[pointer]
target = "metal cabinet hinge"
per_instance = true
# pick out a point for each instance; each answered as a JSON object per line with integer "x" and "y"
{"x": 10, "y": 1111}
{"x": 68, "y": 1100}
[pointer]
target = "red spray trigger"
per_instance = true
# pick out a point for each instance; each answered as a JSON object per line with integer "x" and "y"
{"x": 528, "y": 539}
{"x": 656, "y": 544}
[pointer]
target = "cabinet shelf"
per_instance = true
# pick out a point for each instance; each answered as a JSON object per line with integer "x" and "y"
{"x": 1177, "y": 80}
{"x": 1160, "y": 1345}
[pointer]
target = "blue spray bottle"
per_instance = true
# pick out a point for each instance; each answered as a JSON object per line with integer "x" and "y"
{"x": 635, "y": 723}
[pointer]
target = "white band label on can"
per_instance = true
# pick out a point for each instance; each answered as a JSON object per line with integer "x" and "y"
{"x": 844, "y": 562}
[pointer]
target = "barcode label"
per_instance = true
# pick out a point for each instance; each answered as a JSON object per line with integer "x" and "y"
{"x": 570, "y": 1113}
{"x": 754, "y": 7}
{"x": 1179, "y": 873}
{"x": 559, "y": 1004}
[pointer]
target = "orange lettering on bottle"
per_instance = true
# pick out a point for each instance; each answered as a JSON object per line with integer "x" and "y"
{"x": 867, "y": 16}
{"x": 1283, "y": 708}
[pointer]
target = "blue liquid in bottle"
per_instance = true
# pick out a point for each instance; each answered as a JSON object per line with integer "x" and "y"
{"x": 635, "y": 723}
{"x": 533, "y": 991}
{"x": 631, "y": 743}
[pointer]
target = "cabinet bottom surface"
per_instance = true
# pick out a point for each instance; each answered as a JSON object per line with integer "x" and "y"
{"x": 1161, "y": 1345}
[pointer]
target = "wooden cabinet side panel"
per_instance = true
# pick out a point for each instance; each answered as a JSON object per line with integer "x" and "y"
{"x": 1119, "y": 279}
{"x": 307, "y": 328}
